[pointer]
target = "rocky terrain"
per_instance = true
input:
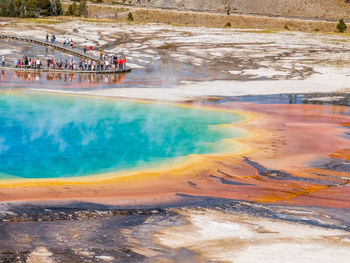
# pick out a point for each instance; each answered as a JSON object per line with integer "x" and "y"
{"x": 83, "y": 232}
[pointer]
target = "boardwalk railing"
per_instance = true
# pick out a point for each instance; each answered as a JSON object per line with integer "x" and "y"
{"x": 73, "y": 51}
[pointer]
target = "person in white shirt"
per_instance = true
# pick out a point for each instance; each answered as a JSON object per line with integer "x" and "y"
{"x": 38, "y": 63}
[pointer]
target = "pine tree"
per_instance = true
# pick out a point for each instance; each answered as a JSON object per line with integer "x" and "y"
{"x": 30, "y": 8}
{"x": 341, "y": 26}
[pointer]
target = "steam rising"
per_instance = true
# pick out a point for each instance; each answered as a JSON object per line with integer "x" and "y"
{"x": 58, "y": 136}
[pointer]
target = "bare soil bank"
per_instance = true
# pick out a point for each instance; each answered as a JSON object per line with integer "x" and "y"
{"x": 325, "y": 9}
{"x": 188, "y": 18}
{"x": 206, "y": 19}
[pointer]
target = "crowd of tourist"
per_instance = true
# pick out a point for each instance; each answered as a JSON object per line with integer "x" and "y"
{"x": 104, "y": 64}
{"x": 66, "y": 42}
{"x": 28, "y": 62}
{"x": 107, "y": 63}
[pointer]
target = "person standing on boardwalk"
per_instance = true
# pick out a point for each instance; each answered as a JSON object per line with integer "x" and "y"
{"x": 124, "y": 64}
{"x": 38, "y": 63}
{"x": 100, "y": 53}
{"x": 47, "y": 37}
{"x": 116, "y": 63}
{"x": 90, "y": 48}
{"x": 71, "y": 44}
{"x": 85, "y": 48}
{"x": 3, "y": 61}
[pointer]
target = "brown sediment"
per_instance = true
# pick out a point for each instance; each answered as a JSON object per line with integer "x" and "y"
{"x": 188, "y": 18}
{"x": 287, "y": 141}
{"x": 307, "y": 134}
{"x": 286, "y": 19}
{"x": 342, "y": 154}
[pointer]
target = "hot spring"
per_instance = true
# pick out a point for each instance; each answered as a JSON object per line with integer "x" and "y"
{"x": 52, "y": 136}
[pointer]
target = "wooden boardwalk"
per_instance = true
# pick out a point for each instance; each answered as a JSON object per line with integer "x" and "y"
{"x": 127, "y": 69}
{"x": 73, "y": 51}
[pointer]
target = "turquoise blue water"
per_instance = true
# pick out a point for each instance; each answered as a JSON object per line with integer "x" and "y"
{"x": 50, "y": 136}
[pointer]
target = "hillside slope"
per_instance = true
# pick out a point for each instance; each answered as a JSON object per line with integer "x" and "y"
{"x": 325, "y": 9}
{"x": 194, "y": 13}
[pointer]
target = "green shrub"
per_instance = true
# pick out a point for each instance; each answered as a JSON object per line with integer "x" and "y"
{"x": 228, "y": 24}
{"x": 73, "y": 10}
{"x": 286, "y": 27}
{"x": 130, "y": 17}
{"x": 341, "y": 26}
{"x": 77, "y": 10}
